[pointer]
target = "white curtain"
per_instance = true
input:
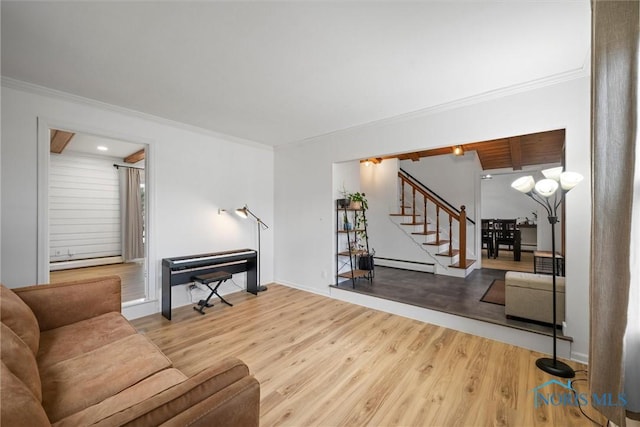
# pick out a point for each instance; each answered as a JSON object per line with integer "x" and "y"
{"x": 131, "y": 213}
{"x": 632, "y": 334}
{"x": 614, "y": 347}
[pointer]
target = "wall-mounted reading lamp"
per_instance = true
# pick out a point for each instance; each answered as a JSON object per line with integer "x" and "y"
{"x": 244, "y": 213}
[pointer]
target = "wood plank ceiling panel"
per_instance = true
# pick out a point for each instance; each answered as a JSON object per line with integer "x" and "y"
{"x": 59, "y": 140}
{"x": 515, "y": 152}
{"x": 135, "y": 157}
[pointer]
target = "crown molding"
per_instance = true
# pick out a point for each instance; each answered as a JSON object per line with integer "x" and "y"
{"x": 552, "y": 80}
{"x": 23, "y": 86}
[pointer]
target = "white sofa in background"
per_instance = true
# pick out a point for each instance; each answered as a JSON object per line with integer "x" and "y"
{"x": 530, "y": 296}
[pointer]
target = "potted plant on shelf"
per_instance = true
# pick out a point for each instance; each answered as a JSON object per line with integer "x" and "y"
{"x": 358, "y": 201}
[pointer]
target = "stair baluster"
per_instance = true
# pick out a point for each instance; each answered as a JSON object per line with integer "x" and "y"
{"x": 440, "y": 204}
{"x": 437, "y": 225}
{"x": 424, "y": 211}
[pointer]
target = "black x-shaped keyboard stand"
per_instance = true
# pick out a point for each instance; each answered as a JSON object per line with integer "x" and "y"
{"x": 207, "y": 279}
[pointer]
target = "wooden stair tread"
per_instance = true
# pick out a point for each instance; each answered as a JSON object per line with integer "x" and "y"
{"x": 457, "y": 264}
{"x": 442, "y": 242}
{"x": 424, "y": 233}
{"x": 400, "y": 214}
{"x": 412, "y": 223}
{"x": 454, "y": 252}
{"x": 351, "y": 231}
{"x": 347, "y": 253}
{"x": 354, "y": 274}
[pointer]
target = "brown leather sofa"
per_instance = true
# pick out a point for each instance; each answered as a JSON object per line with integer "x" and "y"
{"x": 69, "y": 358}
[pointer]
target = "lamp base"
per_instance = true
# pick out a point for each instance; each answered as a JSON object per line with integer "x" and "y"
{"x": 555, "y": 367}
{"x": 262, "y": 288}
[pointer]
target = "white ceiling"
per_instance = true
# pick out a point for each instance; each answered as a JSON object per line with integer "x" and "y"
{"x": 279, "y": 72}
{"x": 88, "y": 144}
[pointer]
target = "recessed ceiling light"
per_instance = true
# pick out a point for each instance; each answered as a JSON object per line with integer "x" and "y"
{"x": 102, "y": 148}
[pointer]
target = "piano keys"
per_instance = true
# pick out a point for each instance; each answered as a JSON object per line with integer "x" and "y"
{"x": 180, "y": 270}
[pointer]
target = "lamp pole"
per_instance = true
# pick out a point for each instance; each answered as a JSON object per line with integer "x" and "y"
{"x": 245, "y": 212}
{"x": 544, "y": 189}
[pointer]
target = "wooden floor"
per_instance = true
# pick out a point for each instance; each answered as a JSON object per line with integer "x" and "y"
{"x": 131, "y": 274}
{"x": 505, "y": 261}
{"x": 324, "y": 362}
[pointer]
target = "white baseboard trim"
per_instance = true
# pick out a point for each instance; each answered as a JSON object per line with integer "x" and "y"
{"x": 79, "y": 263}
{"x": 140, "y": 309}
{"x": 304, "y": 288}
{"x": 405, "y": 265}
{"x": 580, "y": 357}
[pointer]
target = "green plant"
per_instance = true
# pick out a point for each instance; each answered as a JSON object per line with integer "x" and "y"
{"x": 359, "y": 197}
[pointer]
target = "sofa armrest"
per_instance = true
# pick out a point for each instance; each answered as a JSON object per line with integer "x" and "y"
{"x": 61, "y": 304}
{"x": 223, "y": 395}
{"x": 238, "y": 405}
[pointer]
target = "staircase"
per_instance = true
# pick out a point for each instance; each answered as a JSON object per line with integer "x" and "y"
{"x": 437, "y": 227}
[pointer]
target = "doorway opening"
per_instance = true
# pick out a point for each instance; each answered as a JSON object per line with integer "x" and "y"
{"x": 455, "y": 175}
{"x": 97, "y": 210}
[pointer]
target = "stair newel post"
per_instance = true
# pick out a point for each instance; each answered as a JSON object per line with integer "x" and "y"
{"x": 463, "y": 237}
{"x": 438, "y": 225}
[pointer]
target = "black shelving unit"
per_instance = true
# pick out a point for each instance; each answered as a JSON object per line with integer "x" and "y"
{"x": 346, "y": 252}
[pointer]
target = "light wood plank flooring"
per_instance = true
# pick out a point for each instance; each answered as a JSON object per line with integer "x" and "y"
{"x": 505, "y": 261}
{"x": 131, "y": 274}
{"x": 324, "y": 362}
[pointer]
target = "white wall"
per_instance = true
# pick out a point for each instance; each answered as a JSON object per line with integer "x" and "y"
{"x": 451, "y": 177}
{"x": 499, "y": 200}
{"x": 304, "y": 188}
{"x": 190, "y": 175}
{"x": 454, "y": 179}
{"x": 84, "y": 207}
{"x": 380, "y": 184}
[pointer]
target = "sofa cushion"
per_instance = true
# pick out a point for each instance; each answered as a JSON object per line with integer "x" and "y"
{"x": 19, "y": 406}
{"x": 72, "y": 340}
{"x": 74, "y": 384}
{"x": 158, "y": 409}
{"x": 17, "y": 357}
{"x": 127, "y": 398}
{"x": 60, "y": 304}
{"x": 17, "y": 315}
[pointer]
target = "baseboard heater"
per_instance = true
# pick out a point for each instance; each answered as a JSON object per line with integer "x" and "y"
{"x": 405, "y": 265}
{"x": 87, "y": 262}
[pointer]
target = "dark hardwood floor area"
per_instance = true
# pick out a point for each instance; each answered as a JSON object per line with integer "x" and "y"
{"x": 443, "y": 293}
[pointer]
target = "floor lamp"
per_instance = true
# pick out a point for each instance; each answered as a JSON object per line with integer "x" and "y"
{"x": 541, "y": 192}
{"x": 244, "y": 213}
